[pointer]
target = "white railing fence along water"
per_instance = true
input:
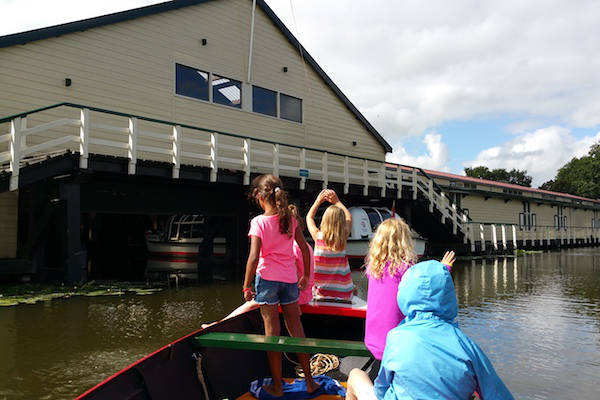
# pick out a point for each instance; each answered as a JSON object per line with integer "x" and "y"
{"x": 89, "y": 130}
{"x": 502, "y": 237}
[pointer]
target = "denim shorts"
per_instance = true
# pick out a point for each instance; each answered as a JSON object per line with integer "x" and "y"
{"x": 274, "y": 292}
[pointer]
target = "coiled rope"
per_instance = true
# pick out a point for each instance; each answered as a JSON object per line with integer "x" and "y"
{"x": 319, "y": 364}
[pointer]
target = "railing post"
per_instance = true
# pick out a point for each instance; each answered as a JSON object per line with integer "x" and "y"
{"x": 465, "y": 229}
{"x": 132, "y": 146}
{"x": 431, "y": 199}
{"x": 482, "y": 237}
{"x": 176, "y": 150}
{"x": 503, "y": 237}
{"x": 414, "y": 183}
{"x": 494, "y": 236}
{"x": 365, "y": 178}
{"x": 276, "y": 159}
{"x": 247, "y": 149}
{"x": 214, "y": 156}
{"x": 399, "y": 182}
{"x": 472, "y": 237}
{"x": 454, "y": 216}
{"x": 514, "y": 237}
{"x": 382, "y": 183}
{"x": 325, "y": 170}
{"x": 346, "y": 175}
{"x": 23, "y": 139}
{"x": 15, "y": 152}
{"x": 302, "y": 166}
{"x": 84, "y": 133}
{"x": 443, "y": 206}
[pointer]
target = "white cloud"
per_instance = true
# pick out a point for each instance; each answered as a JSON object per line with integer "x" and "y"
{"x": 411, "y": 66}
{"x": 436, "y": 158}
{"x": 541, "y": 152}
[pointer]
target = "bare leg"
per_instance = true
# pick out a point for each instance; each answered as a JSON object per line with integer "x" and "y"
{"x": 270, "y": 315}
{"x": 360, "y": 386}
{"x": 291, "y": 315}
{"x": 247, "y": 306}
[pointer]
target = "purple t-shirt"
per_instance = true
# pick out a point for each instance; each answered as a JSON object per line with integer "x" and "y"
{"x": 383, "y": 313}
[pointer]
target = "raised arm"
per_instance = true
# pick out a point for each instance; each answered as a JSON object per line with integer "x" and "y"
{"x": 310, "y": 217}
{"x": 333, "y": 199}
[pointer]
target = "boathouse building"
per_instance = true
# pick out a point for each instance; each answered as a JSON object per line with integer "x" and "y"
{"x": 171, "y": 109}
{"x": 207, "y": 90}
{"x": 504, "y": 216}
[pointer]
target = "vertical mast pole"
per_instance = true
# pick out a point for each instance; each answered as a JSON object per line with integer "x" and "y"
{"x": 251, "y": 41}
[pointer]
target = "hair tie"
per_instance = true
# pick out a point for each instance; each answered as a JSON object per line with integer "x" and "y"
{"x": 277, "y": 189}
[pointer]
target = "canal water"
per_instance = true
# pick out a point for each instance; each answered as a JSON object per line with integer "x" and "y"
{"x": 537, "y": 317}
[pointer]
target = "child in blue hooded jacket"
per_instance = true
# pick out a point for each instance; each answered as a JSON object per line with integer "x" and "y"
{"x": 427, "y": 356}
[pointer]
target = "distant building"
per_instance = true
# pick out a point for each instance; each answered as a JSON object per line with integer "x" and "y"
{"x": 539, "y": 217}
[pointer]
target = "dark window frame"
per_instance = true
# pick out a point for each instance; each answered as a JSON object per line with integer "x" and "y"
{"x": 185, "y": 92}
{"x": 254, "y": 103}
{"x": 238, "y": 84}
{"x": 281, "y": 108}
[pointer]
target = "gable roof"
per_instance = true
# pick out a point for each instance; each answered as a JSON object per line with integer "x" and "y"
{"x": 62, "y": 29}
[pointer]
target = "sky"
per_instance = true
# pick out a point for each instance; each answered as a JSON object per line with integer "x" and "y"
{"x": 449, "y": 84}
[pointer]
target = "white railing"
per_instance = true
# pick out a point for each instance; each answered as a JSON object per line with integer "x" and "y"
{"x": 112, "y": 133}
{"x": 503, "y": 236}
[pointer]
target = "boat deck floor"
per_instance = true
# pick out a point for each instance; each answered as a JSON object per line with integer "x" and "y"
{"x": 248, "y": 396}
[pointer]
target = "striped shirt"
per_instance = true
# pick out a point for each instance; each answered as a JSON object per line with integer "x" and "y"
{"x": 332, "y": 272}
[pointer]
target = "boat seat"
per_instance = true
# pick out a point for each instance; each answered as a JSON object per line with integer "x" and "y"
{"x": 245, "y": 341}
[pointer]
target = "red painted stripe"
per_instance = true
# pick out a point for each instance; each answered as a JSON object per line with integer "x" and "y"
{"x": 334, "y": 293}
{"x": 174, "y": 253}
{"x": 333, "y": 310}
{"x": 174, "y": 260}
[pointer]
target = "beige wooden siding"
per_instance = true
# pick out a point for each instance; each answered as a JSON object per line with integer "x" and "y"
{"x": 130, "y": 67}
{"x": 492, "y": 210}
{"x": 9, "y": 204}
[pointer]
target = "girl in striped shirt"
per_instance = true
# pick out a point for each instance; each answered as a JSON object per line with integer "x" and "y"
{"x": 332, "y": 279}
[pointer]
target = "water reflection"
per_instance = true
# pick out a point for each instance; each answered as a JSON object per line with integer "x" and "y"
{"x": 539, "y": 321}
{"x": 537, "y": 317}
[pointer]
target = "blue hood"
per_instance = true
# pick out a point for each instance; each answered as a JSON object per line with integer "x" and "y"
{"x": 425, "y": 291}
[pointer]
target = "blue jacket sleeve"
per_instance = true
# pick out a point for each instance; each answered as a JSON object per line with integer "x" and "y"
{"x": 490, "y": 386}
{"x": 384, "y": 378}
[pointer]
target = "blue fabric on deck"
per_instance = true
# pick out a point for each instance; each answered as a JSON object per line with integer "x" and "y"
{"x": 297, "y": 389}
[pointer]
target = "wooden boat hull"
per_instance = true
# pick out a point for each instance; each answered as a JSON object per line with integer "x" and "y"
{"x": 171, "y": 372}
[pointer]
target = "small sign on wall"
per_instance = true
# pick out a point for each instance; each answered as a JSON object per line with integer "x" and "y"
{"x": 303, "y": 173}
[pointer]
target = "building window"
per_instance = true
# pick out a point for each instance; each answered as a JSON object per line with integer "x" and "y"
{"x": 290, "y": 108}
{"x": 560, "y": 220}
{"x": 527, "y": 219}
{"x": 191, "y": 82}
{"x": 264, "y": 101}
{"x": 226, "y": 91}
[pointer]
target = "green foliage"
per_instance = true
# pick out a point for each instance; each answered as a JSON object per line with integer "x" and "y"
{"x": 580, "y": 176}
{"x": 514, "y": 176}
{"x": 31, "y": 293}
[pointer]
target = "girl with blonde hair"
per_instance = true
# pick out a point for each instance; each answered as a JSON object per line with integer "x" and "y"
{"x": 391, "y": 254}
{"x": 332, "y": 279}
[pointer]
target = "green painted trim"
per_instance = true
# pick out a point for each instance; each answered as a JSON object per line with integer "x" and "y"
{"x": 244, "y": 341}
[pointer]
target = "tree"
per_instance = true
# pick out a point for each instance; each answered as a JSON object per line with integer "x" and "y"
{"x": 580, "y": 176}
{"x": 514, "y": 176}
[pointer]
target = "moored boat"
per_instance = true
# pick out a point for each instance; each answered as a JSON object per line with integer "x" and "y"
{"x": 365, "y": 221}
{"x": 183, "y": 369}
{"x": 177, "y": 247}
